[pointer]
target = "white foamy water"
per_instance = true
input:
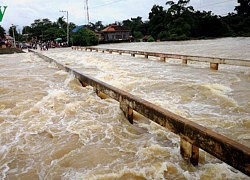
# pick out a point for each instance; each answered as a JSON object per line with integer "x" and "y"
{"x": 53, "y": 128}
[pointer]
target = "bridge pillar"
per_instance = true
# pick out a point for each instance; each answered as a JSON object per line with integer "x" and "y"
{"x": 163, "y": 58}
{"x": 84, "y": 84}
{"x": 120, "y": 52}
{"x": 98, "y": 92}
{"x": 133, "y": 54}
{"x": 146, "y": 56}
{"x": 130, "y": 115}
{"x": 184, "y": 59}
{"x": 189, "y": 151}
{"x": 214, "y": 66}
{"x": 128, "y": 111}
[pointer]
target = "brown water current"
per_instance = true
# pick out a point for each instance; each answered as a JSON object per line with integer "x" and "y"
{"x": 53, "y": 128}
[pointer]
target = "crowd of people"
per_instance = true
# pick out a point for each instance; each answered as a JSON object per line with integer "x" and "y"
{"x": 43, "y": 46}
{"x": 5, "y": 42}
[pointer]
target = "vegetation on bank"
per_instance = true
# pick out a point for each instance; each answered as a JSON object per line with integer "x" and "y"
{"x": 177, "y": 22}
{"x": 85, "y": 37}
{"x": 181, "y": 22}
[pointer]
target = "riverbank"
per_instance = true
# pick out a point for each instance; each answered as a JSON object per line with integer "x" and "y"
{"x": 10, "y": 50}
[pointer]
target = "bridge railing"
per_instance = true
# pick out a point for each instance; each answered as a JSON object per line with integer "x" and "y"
{"x": 192, "y": 135}
{"x": 214, "y": 61}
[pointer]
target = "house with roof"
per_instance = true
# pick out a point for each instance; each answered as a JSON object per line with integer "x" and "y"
{"x": 77, "y": 28}
{"x": 116, "y": 33}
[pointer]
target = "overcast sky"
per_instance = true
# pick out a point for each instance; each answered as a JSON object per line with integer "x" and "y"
{"x": 24, "y": 12}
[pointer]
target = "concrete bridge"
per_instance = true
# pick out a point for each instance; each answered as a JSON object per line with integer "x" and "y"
{"x": 214, "y": 62}
{"x": 192, "y": 135}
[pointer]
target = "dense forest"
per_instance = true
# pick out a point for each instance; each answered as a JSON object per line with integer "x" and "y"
{"x": 178, "y": 21}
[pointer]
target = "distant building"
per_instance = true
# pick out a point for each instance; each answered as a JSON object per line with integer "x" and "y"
{"x": 145, "y": 38}
{"x": 77, "y": 28}
{"x": 7, "y": 41}
{"x": 8, "y": 37}
{"x": 116, "y": 33}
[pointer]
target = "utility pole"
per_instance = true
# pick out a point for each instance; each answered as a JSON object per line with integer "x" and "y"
{"x": 14, "y": 34}
{"x": 86, "y": 6}
{"x": 67, "y": 26}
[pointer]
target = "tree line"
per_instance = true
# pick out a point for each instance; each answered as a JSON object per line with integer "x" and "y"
{"x": 178, "y": 21}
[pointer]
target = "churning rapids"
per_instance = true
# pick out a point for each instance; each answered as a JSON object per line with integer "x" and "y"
{"x": 53, "y": 128}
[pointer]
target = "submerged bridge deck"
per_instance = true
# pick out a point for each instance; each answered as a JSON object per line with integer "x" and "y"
{"x": 192, "y": 135}
{"x": 214, "y": 61}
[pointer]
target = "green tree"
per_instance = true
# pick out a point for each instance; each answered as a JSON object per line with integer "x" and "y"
{"x": 97, "y": 26}
{"x": 136, "y": 27}
{"x": 44, "y": 29}
{"x": 137, "y": 35}
{"x": 11, "y": 29}
{"x": 85, "y": 37}
{"x": 60, "y": 33}
{"x": 26, "y": 30}
{"x": 243, "y": 8}
{"x": 2, "y": 31}
{"x": 241, "y": 25}
{"x": 38, "y": 28}
{"x": 157, "y": 22}
{"x": 180, "y": 18}
{"x": 150, "y": 39}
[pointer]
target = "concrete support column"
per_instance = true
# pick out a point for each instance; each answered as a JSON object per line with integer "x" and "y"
{"x": 189, "y": 151}
{"x": 84, "y": 84}
{"x": 98, "y": 92}
{"x": 130, "y": 115}
{"x": 128, "y": 111}
{"x": 133, "y": 54}
{"x": 184, "y": 60}
{"x": 101, "y": 94}
{"x": 146, "y": 56}
{"x": 214, "y": 66}
{"x": 163, "y": 59}
{"x": 120, "y": 52}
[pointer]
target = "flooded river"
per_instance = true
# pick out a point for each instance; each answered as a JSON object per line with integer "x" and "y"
{"x": 53, "y": 128}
